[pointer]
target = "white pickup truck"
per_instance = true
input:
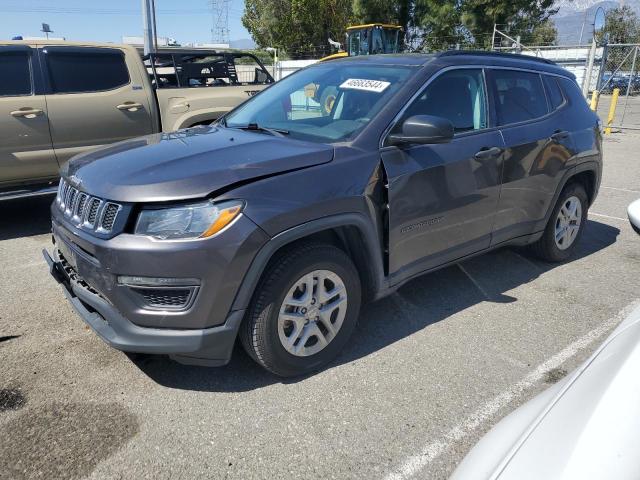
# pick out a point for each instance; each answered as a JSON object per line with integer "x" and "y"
{"x": 58, "y": 99}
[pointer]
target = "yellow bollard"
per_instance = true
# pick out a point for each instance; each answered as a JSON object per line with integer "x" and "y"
{"x": 595, "y": 96}
{"x": 612, "y": 110}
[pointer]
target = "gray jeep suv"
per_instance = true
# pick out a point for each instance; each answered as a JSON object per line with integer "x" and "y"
{"x": 332, "y": 187}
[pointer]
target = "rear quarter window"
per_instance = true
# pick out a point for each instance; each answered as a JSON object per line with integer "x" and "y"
{"x": 77, "y": 71}
{"x": 519, "y": 96}
{"x": 573, "y": 93}
{"x": 554, "y": 94}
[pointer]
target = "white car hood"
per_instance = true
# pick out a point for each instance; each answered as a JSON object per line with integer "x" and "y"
{"x": 585, "y": 427}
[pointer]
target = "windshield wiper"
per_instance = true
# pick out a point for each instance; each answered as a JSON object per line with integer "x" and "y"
{"x": 276, "y": 132}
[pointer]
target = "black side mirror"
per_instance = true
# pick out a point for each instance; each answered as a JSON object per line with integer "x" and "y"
{"x": 423, "y": 129}
{"x": 634, "y": 215}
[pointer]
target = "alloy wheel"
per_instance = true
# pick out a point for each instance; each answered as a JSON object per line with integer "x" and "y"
{"x": 312, "y": 313}
{"x": 568, "y": 222}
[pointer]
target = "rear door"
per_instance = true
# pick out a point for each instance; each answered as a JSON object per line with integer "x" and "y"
{"x": 534, "y": 120}
{"x": 26, "y": 152}
{"x": 443, "y": 197}
{"x": 95, "y": 97}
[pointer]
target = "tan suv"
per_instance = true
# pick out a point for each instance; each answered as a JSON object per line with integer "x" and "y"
{"x": 58, "y": 99}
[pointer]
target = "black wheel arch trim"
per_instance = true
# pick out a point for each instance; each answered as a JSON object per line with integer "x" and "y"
{"x": 586, "y": 166}
{"x": 264, "y": 255}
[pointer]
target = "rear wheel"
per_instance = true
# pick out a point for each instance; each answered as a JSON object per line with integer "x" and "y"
{"x": 303, "y": 311}
{"x": 565, "y": 225}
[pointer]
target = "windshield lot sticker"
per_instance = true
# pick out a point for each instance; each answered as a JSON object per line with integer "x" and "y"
{"x": 377, "y": 86}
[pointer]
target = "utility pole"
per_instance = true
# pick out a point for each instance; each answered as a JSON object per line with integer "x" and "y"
{"x": 147, "y": 26}
{"x": 154, "y": 26}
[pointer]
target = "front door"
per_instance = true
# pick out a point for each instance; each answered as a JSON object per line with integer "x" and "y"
{"x": 443, "y": 197}
{"x": 26, "y": 153}
{"x": 96, "y": 97}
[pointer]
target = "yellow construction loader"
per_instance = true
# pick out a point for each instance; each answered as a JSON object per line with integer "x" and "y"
{"x": 368, "y": 39}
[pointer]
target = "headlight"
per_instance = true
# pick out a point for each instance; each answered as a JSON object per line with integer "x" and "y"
{"x": 195, "y": 220}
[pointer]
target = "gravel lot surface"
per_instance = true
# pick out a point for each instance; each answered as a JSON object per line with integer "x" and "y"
{"x": 429, "y": 370}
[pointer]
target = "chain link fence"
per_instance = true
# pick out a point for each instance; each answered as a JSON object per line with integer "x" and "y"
{"x": 620, "y": 72}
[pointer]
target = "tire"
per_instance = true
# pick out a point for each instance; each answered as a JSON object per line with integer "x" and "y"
{"x": 547, "y": 248}
{"x": 266, "y": 333}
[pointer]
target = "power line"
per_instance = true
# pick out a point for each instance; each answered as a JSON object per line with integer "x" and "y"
{"x": 220, "y": 21}
{"x": 105, "y": 11}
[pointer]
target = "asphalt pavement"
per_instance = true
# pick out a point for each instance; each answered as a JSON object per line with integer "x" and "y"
{"x": 428, "y": 371}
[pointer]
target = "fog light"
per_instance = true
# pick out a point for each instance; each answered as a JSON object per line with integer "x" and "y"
{"x": 135, "y": 281}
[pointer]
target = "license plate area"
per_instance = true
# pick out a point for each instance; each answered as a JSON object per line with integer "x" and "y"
{"x": 67, "y": 252}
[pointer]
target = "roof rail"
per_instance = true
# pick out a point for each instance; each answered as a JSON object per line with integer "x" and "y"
{"x": 484, "y": 53}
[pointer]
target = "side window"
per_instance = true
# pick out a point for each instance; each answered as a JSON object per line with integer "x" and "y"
{"x": 206, "y": 71}
{"x": 16, "y": 74}
{"x": 309, "y": 102}
{"x": 519, "y": 96}
{"x": 75, "y": 71}
{"x": 553, "y": 91}
{"x": 458, "y": 96}
{"x": 354, "y": 44}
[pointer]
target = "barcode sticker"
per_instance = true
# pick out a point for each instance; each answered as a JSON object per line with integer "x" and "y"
{"x": 377, "y": 86}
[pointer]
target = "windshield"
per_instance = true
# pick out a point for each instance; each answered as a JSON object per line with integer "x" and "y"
{"x": 390, "y": 40}
{"x": 325, "y": 103}
{"x": 359, "y": 41}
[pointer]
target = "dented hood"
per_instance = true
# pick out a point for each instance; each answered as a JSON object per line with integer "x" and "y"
{"x": 188, "y": 163}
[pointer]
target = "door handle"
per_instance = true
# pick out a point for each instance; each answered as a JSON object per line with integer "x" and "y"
{"x": 487, "y": 153}
{"x": 129, "y": 106}
{"x": 559, "y": 135}
{"x": 179, "y": 107}
{"x": 27, "y": 112}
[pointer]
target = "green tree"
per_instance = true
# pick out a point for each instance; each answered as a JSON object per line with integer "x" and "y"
{"x": 396, "y": 12}
{"x": 469, "y": 23}
{"x": 299, "y": 27}
{"x": 304, "y": 26}
{"x": 513, "y": 17}
{"x": 438, "y": 24}
{"x": 543, "y": 33}
{"x": 622, "y": 26}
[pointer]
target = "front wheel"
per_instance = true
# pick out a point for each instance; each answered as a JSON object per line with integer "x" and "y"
{"x": 565, "y": 225}
{"x": 303, "y": 311}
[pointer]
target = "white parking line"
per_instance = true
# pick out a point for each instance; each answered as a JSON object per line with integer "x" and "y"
{"x": 621, "y": 189}
{"x": 607, "y": 216}
{"x": 473, "y": 280}
{"x": 529, "y": 261}
{"x": 416, "y": 463}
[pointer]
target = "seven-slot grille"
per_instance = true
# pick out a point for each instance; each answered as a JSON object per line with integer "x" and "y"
{"x": 87, "y": 212}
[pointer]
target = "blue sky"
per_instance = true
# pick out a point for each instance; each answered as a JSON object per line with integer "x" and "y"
{"x": 184, "y": 20}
